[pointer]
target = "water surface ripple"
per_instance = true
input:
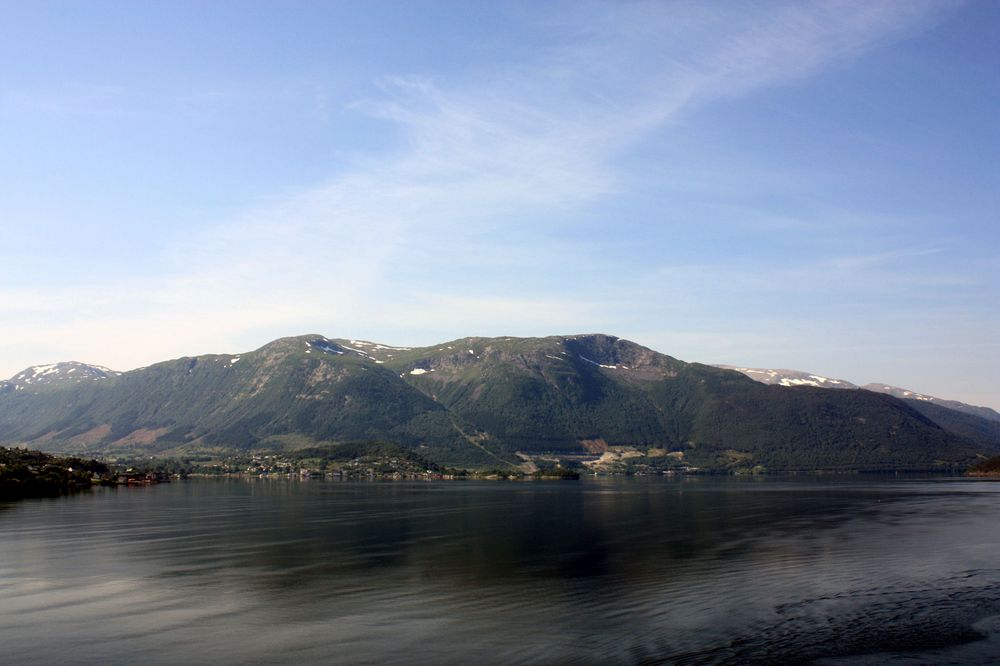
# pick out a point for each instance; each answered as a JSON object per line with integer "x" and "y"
{"x": 688, "y": 571}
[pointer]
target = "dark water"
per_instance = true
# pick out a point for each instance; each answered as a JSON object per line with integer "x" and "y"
{"x": 631, "y": 571}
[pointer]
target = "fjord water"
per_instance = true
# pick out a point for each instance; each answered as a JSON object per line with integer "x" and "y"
{"x": 695, "y": 570}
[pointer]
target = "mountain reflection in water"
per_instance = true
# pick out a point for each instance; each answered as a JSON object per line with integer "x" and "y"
{"x": 697, "y": 570}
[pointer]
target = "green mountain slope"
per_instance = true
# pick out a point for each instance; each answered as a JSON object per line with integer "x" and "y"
{"x": 564, "y": 394}
{"x": 482, "y": 402}
{"x": 291, "y": 392}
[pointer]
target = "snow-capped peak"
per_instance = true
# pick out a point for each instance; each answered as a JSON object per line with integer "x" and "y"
{"x": 67, "y": 372}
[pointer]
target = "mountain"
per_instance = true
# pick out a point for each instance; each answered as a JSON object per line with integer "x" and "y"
{"x": 798, "y": 378}
{"x": 57, "y": 374}
{"x": 482, "y": 402}
{"x": 783, "y": 377}
{"x": 904, "y": 394}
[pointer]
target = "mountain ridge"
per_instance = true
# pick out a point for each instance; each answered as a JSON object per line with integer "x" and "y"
{"x": 785, "y": 377}
{"x": 479, "y": 401}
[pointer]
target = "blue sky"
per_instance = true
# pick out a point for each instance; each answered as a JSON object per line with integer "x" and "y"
{"x": 812, "y": 186}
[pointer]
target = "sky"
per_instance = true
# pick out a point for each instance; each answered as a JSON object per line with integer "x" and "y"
{"x": 798, "y": 185}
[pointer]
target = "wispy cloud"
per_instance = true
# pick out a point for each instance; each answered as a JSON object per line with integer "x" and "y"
{"x": 482, "y": 161}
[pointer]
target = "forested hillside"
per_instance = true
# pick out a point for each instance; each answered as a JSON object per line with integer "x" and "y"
{"x": 484, "y": 402}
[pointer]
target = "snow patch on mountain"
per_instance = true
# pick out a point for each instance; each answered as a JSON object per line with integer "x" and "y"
{"x": 325, "y": 346}
{"x": 360, "y": 352}
{"x": 376, "y": 345}
{"x": 782, "y": 377}
{"x": 602, "y": 365}
{"x": 57, "y": 373}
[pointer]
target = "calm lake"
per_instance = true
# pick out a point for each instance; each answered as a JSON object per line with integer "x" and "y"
{"x": 698, "y": 570}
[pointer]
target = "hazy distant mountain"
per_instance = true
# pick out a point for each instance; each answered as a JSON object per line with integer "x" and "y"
{"x": 480, "y": 402}
{"x": 984, "y": 412}
{"x": 57, "y": 374}
{"x": 784, "y": 377}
